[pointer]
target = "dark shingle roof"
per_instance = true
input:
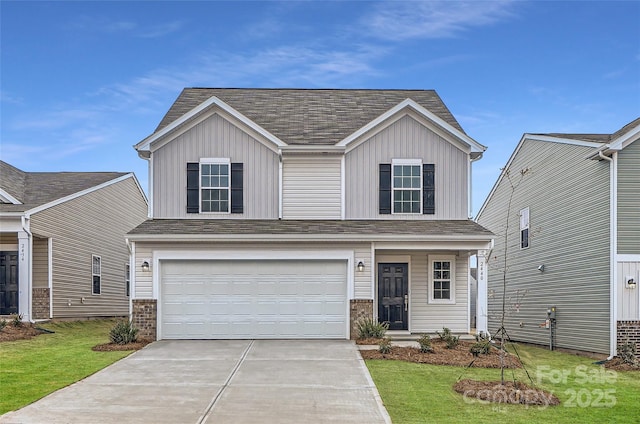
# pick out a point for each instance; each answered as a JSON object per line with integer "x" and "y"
{"x": 309, "y": 116}
{"x": 597, "y": 138}
{"x": 231, "y": 227}
{"x": 37, "y": 188}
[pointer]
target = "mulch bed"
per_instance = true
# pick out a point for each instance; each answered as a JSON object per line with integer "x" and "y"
{"x": 617, "y": 364}
{"x": 25, "y": 331}
{"x": 110, "y": 347}
{"x": 511, "y": 392}
{"x": 458, "y": 356}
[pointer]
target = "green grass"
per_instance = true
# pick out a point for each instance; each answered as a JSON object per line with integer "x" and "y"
{"x": 31, "y": 369}
{"x": 421, "y": 393}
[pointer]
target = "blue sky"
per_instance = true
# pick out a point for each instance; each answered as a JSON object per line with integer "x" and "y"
{"x": 81, "y": 82}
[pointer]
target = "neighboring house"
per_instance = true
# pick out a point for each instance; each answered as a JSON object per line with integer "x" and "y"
{"x": 284, "y": 213}
{"x": 63, "y": 252}
{"x": 573, "y": 239}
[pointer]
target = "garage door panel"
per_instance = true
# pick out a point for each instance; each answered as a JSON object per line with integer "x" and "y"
{"x": 253, "y": 299}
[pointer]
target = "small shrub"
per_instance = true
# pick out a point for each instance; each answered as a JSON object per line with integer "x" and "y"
{"x": 446, "y": 336}
{"x": 368, "y": 328}
{"x": 425, "y": 343}
{"x": 482, "y": 345}
{"x": 16, "y": 320}
{"x": 3, "y": 323}
{"x": 384, "y": 346}
{"x": 123, "y": 332}
{"x": 627, "y": 352}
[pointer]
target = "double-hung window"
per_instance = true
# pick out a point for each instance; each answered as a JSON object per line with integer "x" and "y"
{"x": 407, "y": 186}
{"x": 441, "y": 270}
{"x": 215, "y": 185}
{"x": 96, "y": 274}
{"x": 524, "y": 228}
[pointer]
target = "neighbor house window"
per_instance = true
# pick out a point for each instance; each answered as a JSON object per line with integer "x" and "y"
{"x": 407, "y": 186}
{"x": 215, "y": 185}
{"x": 524, "y": 228}
{"x": 442, "y": 280}
{"x": 96, "y": 273}
{"x": 127, "y": 279}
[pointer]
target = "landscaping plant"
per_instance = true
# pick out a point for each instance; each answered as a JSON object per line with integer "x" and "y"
{"x": 3, "y": 323}
{"x": 16, "y": 320}
{"x": 384, "y": 346}
{"x": 425, "y": 343}
{"x": 368, "y": 328}
{"x": 123, "y": 332}
{"x": 448, "y": 337}
{"x": 627, "y": 352}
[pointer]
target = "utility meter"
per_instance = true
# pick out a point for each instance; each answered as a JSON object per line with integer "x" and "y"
{"x": 551, "y": 312}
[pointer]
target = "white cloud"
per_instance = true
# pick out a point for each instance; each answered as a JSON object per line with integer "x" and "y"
{"x": 398, "y": 21}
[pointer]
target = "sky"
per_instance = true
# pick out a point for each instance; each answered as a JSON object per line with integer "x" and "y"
{"x": 82, "y": 81}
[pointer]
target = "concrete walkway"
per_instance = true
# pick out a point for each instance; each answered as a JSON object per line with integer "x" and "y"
{"x": 220, "y": 381}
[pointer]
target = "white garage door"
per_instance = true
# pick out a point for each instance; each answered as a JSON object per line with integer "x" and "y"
{"x": 261, "y": 299}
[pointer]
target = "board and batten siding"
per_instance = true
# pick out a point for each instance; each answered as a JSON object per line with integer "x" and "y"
{"x": 144, "y": 251}
{"x": 40, "y": 263}
{"x": 92, "y": 224}
{"x": 215, "y": 137}
{"x": 629, "y": 199}
{"x": 568, "y": 200}
{"x": 311, "y": 188}
{"x": 406, "y": 139}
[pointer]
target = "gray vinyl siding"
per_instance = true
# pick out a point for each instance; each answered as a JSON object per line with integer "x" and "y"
{"x": 9, "y": 239}
{"x": 144, "y": 251}
{"x": 406, "y": 139}
{"x": 311, "y": 188}
{"x": 40, "y": 263}
{"x": 629, "y": 199}
{"x": 92, "y": 224}
{"x": 215, "y": 137}
{"x": 568, "y": 200}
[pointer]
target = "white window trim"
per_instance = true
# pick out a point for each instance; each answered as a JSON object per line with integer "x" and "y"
{"x": 524, "y": 225}
{"x": 213, "y": 161}
{"x": 393, "y": 189}
{"x": 93, "y": 274}
{"x": 452, "y": 260}
{"x": 127, "y": 279}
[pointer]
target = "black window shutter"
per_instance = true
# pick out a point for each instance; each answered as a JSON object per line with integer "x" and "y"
{"x": 236, "y": 188}
{"x": 385, "y": 189}
{"x": 428, "y": 189}
{"x": 193, "y": 197}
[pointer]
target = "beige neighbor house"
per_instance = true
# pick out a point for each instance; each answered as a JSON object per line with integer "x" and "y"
{"x": 573, "y": 240}
{"x": 289, "y": 213}
{"x": 63, "y": 252}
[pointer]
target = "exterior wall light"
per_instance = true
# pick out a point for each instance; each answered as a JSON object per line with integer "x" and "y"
{"x": 145, "y": 266}
{"x": 360, "y": 266}
{"x": 541, "y": 268}
{"x": 631, "y": 283}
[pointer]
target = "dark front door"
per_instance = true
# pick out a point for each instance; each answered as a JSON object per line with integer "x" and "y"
{"x": 393, "y": 295}
{"x": 8, "y": 283}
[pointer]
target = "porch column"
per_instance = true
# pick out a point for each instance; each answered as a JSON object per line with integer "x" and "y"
{"x": 24, "y": 275}
{"x": 482, "y": 303}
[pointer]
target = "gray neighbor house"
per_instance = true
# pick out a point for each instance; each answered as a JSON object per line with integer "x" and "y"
{"x": 63, "y": 252}
{"x": 572, "y": 239}
{"x": 292, "y": 213}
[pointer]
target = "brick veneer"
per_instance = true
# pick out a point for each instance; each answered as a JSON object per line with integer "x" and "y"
{"x": 359, "y": 308}
{"x": 629, "y": 330}
{"x": 40, "y": 303}
{"x": 145, "y": 316}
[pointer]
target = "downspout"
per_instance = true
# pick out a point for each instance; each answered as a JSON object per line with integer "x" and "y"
{"x": 613, "y": 292}
{"x": 132, "y": 274}
{"x": 25, "y": 227}
{"x": 279, "y": 183}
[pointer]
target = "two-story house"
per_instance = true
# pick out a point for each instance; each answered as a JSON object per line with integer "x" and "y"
{"x": 567, "y": 208}
{"x": 292, "y": 213}
{"x": 63, "y": 252}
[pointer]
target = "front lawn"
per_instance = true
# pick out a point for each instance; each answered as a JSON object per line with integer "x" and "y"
{"x": 31, "y": 369}
{"x": 419, "y": 393}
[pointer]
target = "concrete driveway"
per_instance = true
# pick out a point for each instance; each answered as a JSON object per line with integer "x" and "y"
{"x": 220, "y": 381}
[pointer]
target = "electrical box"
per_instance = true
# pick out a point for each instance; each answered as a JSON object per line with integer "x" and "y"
{"x": 551, "y": 312}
